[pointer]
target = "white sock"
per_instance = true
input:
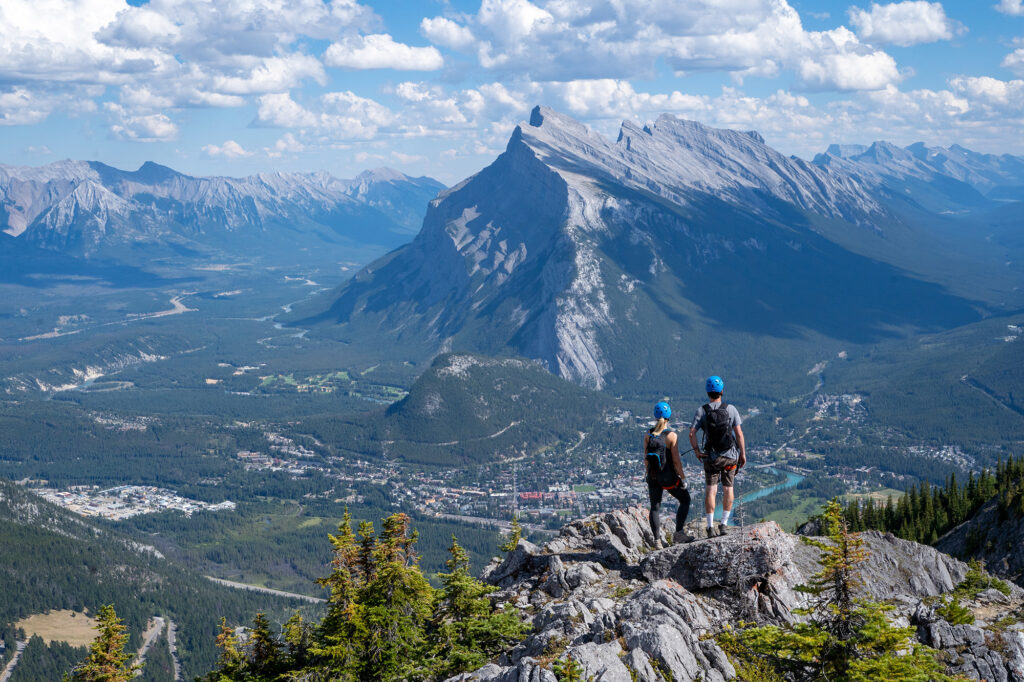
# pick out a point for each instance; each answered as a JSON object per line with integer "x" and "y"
{"x": 710, "y": 518}
{"x": 725, "y": 517}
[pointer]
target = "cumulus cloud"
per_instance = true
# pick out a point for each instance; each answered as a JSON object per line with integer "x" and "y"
{"x": 563, "y": 40}
{"x": 228, "y": 150}
{"x": 903, "y": 23}
{"x": 1015, "y": 62}
{"x": 140, "y": 128}
{"x": 20, "y": 106}
{"x": 334, "y": 115}
{"x": 170, "y": 53}
{"x": 447, "y": 33}
{"x": 380, "y": 51}
{"x": 1005, "y": 97}
{"x": 849, "y": 71}
{"x": 1011, "y": 7}
{"x": 287, "y": 144}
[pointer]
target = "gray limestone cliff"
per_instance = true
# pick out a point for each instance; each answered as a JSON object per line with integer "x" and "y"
{"x": 601, "y": 594}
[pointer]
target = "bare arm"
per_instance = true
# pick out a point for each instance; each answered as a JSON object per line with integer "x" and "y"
{"x": 647, "y": 465}
{"x": 693, "y": 443}
{"x": 673, "y": 443}
{"x": 742, "y": 445}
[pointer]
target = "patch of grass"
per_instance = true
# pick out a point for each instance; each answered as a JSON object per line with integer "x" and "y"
{"x": 584, "y": 488}
{"x": 790, "y": 519}
{"x": 976, "y": 581}
{"x": 311, "y": 522}
{"x": 77, "y": 629}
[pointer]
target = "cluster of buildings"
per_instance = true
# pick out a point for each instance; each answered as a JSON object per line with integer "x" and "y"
{"x": 125, "y": 501}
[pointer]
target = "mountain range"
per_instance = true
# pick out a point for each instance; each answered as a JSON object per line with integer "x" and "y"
{"x": 678, "y": 245}
{"x": 88, "y": 209}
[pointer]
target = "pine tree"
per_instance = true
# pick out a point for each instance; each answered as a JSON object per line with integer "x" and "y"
{"x": 107, "y": 660}
{"x": 394, "y": 606}
{"x": 231, "y": 657}
{"x": 297, "y": 635}
{"x": 467, "y": 631}
{"x": 515, "y": 533}
{"x": 845, "y": 639}
{"x": 264, "y": 657}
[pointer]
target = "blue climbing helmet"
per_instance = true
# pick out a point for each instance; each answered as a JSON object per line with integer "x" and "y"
{"x": 662, "y": 410}
{"x": 714, "y": 384}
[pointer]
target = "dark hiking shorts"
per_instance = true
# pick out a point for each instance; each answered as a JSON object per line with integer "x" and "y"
{"x": 721, "y": 468}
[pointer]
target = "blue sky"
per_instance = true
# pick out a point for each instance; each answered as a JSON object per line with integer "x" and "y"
{"x": 435, "y": 87}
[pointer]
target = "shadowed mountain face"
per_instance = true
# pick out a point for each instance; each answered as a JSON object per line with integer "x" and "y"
{"x": 607, "y": 260}
{"x": 88, "y": 209}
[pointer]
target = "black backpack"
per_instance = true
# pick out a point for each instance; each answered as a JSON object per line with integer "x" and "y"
{"x": 660, "y": 456}
{"x": 717, "y": 434}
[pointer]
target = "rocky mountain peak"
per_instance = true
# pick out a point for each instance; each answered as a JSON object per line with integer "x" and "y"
{"x": 601, "y": 593}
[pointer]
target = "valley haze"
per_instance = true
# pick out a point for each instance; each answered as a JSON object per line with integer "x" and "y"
{"x": 461, "y": 354}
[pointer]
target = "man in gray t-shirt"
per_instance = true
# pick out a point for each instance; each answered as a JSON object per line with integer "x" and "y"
{"x": 722, "y": 464}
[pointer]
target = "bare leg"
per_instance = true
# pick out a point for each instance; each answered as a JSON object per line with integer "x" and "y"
{"x": 727, "y": 497}
{"x": 710, "y": 491}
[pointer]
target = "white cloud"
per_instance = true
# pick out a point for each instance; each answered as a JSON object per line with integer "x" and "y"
{"x": 566, "y": 40}
{"x": 274, "y": 74}
{"x": 286, "y": 144}
{"x": 334, "y": 116}
{"x": 228, "y": 150}
{"x": 281, "y": 111}
{"x": 22, "y": 107}
{"x": 849, "y": 71}
{"x": 140, "y": 128}
{"x": 1015, "y": 62}
{"x": 1005, "y": 96}
{"x": 903, "y": 23}
{"x": 447, "y": 33}
{"x": 407, "y": 158}
{"x": 170, "y": 53}
{"x": 380, "y": 51}
{"x": 1011, "y": 7}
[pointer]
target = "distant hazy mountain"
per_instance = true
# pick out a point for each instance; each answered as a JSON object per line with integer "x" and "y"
{"x": 674, "y": 246}
{"x": 86, "y": 208}
{"x": 938, "y": 178}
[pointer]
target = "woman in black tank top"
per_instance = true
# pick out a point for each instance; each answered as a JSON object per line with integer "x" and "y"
{"x": 665, "y": 472}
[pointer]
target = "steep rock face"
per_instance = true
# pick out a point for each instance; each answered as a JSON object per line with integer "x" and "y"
{"x": 571, "y": 248}
{"x": 994, "y": 539}
{"x": 83, "y": 207}
{"x": 599, "y": 593}
{"x": 396, "y": 195}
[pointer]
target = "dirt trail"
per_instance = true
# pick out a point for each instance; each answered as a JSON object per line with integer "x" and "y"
{"x": 154, "y": 629}
{"x": 6, "y": 674}
{"x": 265, "y": 590}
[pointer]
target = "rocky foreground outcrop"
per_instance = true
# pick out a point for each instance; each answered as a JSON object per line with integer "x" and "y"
{"x": 600, "y": 593}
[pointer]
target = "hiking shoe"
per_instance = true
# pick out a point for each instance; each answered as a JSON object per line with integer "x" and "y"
{"x": 681, "y": 537}
{"x": 723, "y": 529}
{"x": 710, "y": 532}
{"x": 658, "y": 544}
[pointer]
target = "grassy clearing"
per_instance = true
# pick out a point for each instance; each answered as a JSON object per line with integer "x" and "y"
{"x": 585, "y": 488}
{"x": 790, "y": 519}
{"x": 77, "y": 629}
{"x": 311, "y": 522}
{"x": 879, "y": 496}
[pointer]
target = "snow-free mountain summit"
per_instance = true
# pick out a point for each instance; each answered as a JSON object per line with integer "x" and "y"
{"x": 608, "y": 260}
{"x": 88, "y": 209}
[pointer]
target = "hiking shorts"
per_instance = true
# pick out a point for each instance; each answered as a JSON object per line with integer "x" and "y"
{"x": 721, "y": 468}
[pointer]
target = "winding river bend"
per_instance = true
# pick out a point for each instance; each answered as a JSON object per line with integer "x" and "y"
{"x": 792, "y": 479}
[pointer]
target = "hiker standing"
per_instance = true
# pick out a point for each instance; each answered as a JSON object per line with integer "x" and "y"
{"x": 723, "y": 454}
{"x": 665, "y": 472}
